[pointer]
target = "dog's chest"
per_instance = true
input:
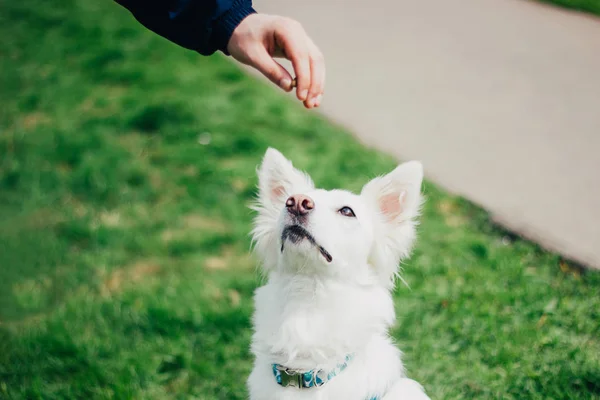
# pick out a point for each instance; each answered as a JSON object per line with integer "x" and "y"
{"x": 297, "y": 322}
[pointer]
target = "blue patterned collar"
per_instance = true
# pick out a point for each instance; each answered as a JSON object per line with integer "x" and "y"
{"x": 287, "y": 377}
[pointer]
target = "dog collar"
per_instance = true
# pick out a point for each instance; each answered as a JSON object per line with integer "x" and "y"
{"x": 288, "y": 377}
{"x": 307, "y": 379}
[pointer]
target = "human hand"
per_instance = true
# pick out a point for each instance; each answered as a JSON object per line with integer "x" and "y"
{"x": 259, "y": 38}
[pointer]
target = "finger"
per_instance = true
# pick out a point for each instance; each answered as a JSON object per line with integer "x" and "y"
{"x": 301, "y": 66}
{"x": 317, "y": 73}
{"x": 293, "y": 41}
{"x": 274, "y": 71}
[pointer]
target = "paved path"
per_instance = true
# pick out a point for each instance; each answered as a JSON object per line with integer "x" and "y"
{"x": 499, "y": 98}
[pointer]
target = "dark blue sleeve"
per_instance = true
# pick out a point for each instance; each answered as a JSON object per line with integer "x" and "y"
{"x": 201, "y": 25}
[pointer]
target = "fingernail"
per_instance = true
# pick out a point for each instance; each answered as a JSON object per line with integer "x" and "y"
{"x": 285, "y": 83}
{"x": 318, "y": 100}
{"x": 303, "y": 94}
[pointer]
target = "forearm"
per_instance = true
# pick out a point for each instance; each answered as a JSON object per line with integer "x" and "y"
{"x": 201, "y": 25}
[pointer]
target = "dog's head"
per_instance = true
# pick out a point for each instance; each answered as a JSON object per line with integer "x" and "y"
{"x": 302, "y": 229}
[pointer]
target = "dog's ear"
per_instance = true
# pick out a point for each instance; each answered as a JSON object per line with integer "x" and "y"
{"x": 278, "y": 179}
{"x": 396, "y": 199}
{"x": 397, "y": 195}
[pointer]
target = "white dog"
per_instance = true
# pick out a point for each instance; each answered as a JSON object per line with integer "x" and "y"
{"x": 321, "y": 322}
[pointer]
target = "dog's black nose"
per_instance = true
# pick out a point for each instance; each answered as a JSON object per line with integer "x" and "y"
{"x": 299, "y": 204}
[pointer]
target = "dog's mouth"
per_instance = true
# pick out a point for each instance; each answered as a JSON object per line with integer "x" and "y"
{"x": 297, "y": 233}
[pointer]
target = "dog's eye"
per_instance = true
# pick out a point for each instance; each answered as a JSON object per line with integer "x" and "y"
{"x": 346, "y": 212}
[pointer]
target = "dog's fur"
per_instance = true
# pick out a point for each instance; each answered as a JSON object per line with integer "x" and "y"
{"x": 313, "y": 311}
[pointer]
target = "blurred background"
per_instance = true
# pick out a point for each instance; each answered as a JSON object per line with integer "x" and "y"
{"x": 127, "y": 165}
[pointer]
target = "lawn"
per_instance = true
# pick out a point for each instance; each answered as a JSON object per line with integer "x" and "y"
{"x": 591, "y": 6}
{"x": 126, "y": 168}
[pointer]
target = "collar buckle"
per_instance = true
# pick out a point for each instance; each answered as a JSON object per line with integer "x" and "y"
{"x": 290, "y": 378}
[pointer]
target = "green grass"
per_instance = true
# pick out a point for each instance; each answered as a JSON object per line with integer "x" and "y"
{"x": 591, "y": 6}
{"x": 124, "y": 265}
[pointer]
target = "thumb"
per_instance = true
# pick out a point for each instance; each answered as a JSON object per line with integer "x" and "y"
{"x": 274, "y": 71}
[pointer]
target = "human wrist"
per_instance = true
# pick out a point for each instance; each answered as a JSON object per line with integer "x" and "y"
{"x": 225, "y": 25}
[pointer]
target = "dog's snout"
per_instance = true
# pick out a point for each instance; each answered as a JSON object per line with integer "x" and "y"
{"x": 299, "y": 204}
